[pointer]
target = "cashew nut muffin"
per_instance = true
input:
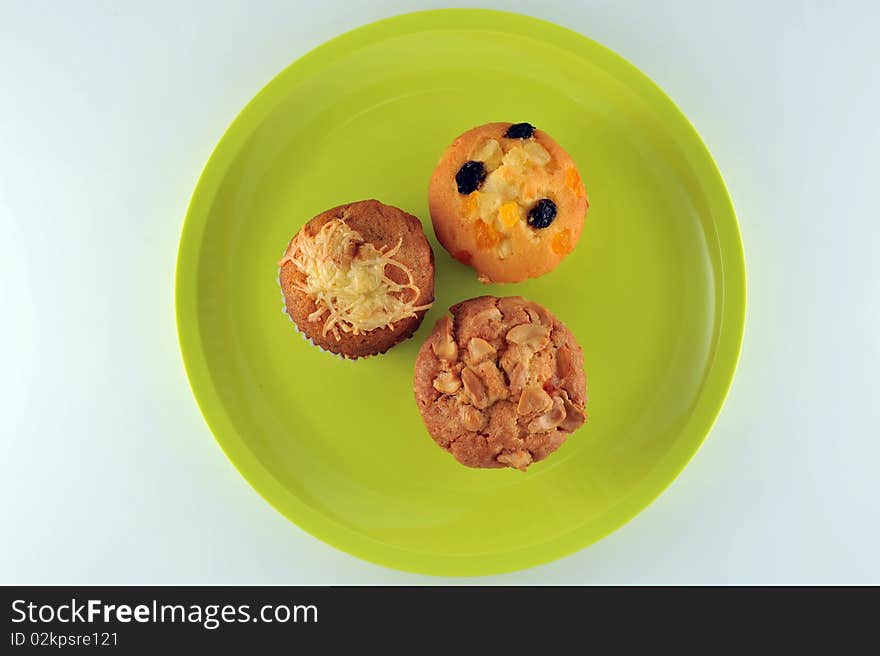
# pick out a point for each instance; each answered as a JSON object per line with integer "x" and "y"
{"x": 500, "y": 383}
{"x": 358, "y": 278}
{"x": 507, "y": 200}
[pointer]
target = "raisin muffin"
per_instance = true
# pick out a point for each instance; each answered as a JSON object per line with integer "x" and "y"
{"x": 358, "y": 278}
{"x": 507, "y": 200}
{"x": 500, "y": 383}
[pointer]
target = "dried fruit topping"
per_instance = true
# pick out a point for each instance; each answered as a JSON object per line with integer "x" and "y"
{"x": 470, "y": 176}
{"x": 490, "y": 154}
{"x": 542, "y": 214}
{"x": 487, "y": 201}
{"x": 572, "y": 179}
{"x": 520, "y": 131}
{"x": 537, "y": 153}
{"x": 509, "y": 213}
{"x": 561, "y": 243}
{"x": 502, "y": 185}
{"x": 469, "y": 203}
{"x": 486, "y": 235}
{"x": 516, "y": 161}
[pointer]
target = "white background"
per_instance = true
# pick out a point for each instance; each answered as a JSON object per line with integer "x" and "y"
{"x": 109, "y": 111}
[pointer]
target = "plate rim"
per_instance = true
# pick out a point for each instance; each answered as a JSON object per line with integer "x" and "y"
{"x": 718, "y": 379}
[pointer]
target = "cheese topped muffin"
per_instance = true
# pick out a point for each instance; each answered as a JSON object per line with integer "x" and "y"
{"x": 358, "y": 278}
{"x": 507, "y": 200}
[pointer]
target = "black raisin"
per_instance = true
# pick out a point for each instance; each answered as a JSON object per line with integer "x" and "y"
{"x": 470, "y": 177}
{"x": 542, "y": 214}
{"x": 520, "y": 131}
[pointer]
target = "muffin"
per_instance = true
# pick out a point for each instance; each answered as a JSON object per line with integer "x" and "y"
{"x": 358, "y": 278}
{"x": 500, "y": 383}
{"x": 507, "y": 200}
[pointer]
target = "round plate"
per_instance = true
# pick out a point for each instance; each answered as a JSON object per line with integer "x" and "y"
{"x": 654, "y": 292}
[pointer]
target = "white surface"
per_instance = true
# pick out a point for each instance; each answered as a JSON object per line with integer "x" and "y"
{"x": 109, "y": 112}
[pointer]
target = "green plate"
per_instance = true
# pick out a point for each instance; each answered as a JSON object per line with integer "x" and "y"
{"x": 655, "y": 291}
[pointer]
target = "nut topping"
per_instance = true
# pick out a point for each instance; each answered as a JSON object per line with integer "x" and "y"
{"x": 518, "y": 459}
{"x": 499, "y": 383}
{"x": 574, "y": 416}
{"x": 444, "y": 347}
{"x": 532, "y": 335}
{"x": 518, "y": 374}
{"x": 488, "y": 315}
{"x": 515, "y": 362}
{"x": 479, "y": 350}
{"x": 496, "y": 388}
{"x": 550, "y": 419}
{"x": 538, "y": 314}
{"x": 447, "y": 382}
{"x": 533, "y": 400}
{"x": 473, "y": 385}
{"x": 472, "y": 419}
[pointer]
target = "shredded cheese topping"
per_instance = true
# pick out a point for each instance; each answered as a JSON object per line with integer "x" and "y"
{"x": 346, "y": 278}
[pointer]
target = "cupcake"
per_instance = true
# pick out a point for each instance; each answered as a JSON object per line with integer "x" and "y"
{"x": 500, "y": 383}
{"x": 507, "y": 200}
{"x": 358, "y": 278}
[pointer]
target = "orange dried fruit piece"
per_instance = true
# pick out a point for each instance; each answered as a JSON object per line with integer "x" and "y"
{"x": 561, "y": 243}
{"x": 486, "y": 235}
{"x": 469, "y": 203}
{"x": 509, "y": 213}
